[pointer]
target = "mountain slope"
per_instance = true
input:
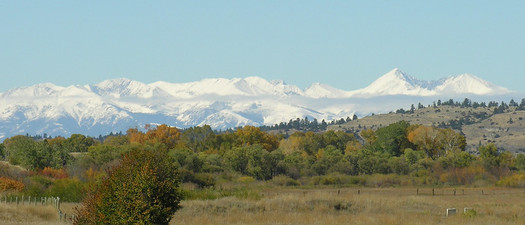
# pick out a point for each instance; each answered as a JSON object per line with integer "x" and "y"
{"x": 118, "y": 104}
{"x": 397, "y": 82}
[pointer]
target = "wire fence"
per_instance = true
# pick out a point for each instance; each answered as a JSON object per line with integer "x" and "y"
{"x": 37, "y": 201}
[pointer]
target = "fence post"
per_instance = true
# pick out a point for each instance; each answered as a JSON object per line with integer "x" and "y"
{"x": 16, "y": 200}
{"x": 23, "y": 199}
{"x": 432, "y": 191}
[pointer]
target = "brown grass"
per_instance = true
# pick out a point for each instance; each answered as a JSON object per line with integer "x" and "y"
{"x": 372, "y": 206}
{"x": 327, "y": 206}
{"x": 11, "y": 214}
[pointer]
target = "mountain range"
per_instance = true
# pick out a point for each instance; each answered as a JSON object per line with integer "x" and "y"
{"x": 118, "y": 104}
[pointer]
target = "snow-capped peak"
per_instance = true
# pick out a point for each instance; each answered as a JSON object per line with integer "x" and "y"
{"x": 469, "y": 84}
{"x": 123, "y": 87}
{"x": 318, "y": 90}
{"x": 39, "y": 90}
{"x": 395, "y": 82}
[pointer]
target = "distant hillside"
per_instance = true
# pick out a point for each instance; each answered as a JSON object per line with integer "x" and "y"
{"x": 500, "y": 123}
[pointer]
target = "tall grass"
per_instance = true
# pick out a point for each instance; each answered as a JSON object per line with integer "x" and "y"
{"x": 13, "y": 214}
{"x": 371, "y": 206}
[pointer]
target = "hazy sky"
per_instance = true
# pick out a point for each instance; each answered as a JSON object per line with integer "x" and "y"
{"x": 346, "y": 44}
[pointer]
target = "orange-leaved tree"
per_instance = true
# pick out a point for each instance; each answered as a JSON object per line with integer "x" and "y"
{"x": 142, "y": 189}
{"x": 164, "y": 134}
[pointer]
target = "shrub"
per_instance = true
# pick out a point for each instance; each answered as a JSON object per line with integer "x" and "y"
{"x": 37, "y": 185}
{"x": 54, "y": 173}
{"x": 246, "y": 179}
{"x": 204, "y": 180}
{"x": 283, "y": 180}
{"x": 143, "y": 189}
{"x": 384, "y": 180}
{"x": 10, "y": 184}
{"x": 470, "y": 213}
{"x": 516, "y": 180}
{"x": 69, "y": 190}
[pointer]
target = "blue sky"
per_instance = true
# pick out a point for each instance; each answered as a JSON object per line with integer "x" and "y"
{"x": 346, "y": 44}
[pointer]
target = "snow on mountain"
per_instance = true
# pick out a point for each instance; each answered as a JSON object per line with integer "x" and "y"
{"x": 118, "y": 104}
{"x": 397, "y": 82}
{"x": 469, "y": 84}
{"x": 319, "y": 90}
{"x": 250, "y": 86}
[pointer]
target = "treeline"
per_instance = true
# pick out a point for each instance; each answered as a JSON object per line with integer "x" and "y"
{"x": 420, "y": 155}
{"x": 306, "y": 124}
{"x": 467, "y": 103}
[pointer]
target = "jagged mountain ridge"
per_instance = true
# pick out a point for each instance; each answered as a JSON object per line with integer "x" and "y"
{"x": 118, "y": 104}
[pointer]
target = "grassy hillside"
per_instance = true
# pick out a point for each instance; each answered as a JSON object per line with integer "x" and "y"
{"x": 479, "y": 125}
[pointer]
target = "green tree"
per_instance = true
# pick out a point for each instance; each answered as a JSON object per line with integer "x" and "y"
{"x": 326, "y": 159}
{"x": 519, "y": 162}
{"x": 78, "y": 143}
{"x": 2, "y": 151}
{"x": 237, "y": 159}
{"x": 142, "y": 189}
{"x": 19, "y": 150}
{"x": 198, "y": 139}
{"x": 261, "y": 163}
{"x": 392, "y": 139}
{"x": 489, "y": 155}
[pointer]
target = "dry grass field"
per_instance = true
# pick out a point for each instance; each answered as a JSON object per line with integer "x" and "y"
{"x": 328, "y": 206}
{"x": 11, "y": 214}
{"x": 371, "y": 206}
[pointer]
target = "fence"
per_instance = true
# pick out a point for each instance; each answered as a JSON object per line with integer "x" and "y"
{"x": 37, "y": 201}
{"x": 29, "y": 200}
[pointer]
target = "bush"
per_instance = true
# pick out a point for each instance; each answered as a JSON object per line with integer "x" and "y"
{"x": 10, "y": 184}
{"x": 203, "y": 180}
{"x": 331, "y": 179}
{"x": 384, "y": 180}
{"x": 54, "y": 173}
{"x": 37, "y": 185}
{"x": 246, "y": 179}
{"x": 516, "y": 180}
{"x": 283, "y": 180}
{"x": 69, "y": 190}
{"x": 143, "y": 189}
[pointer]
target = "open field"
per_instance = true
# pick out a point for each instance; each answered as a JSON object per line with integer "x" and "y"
{"x": 371, "y": 206}
{"x": 11, "y": 214}
{"x": 328, "y": 206}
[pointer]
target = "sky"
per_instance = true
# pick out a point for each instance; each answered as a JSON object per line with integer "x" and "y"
{"x": 345, "y": 44}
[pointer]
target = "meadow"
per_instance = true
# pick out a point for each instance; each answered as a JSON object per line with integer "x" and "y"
{"x": 326, "y": 205}
{"x": 360, "y": 206}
